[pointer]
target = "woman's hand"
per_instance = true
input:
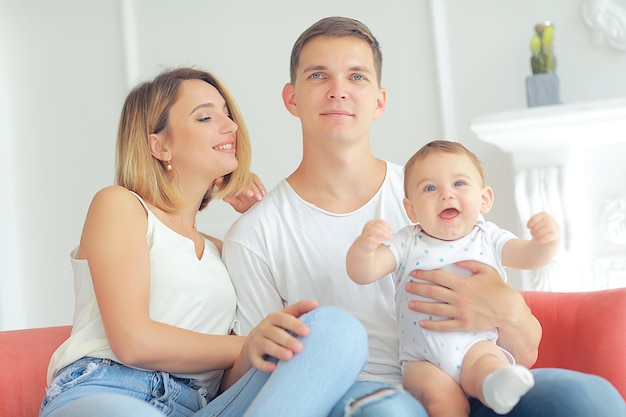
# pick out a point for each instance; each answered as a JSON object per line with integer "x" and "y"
{"x": 478, "y": 303}
{"x": 242, "y": 202}
{"x": 276, "y": 336}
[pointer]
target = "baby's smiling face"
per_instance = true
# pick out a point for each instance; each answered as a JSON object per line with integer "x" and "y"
{"x": 446, "y": 194}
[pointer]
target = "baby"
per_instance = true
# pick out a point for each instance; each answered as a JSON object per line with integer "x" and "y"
{"x": 446, "y": 198}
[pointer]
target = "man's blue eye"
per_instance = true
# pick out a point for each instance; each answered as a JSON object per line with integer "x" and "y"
{"x": 316, "y": 76}
{"x": 358, "y": 77}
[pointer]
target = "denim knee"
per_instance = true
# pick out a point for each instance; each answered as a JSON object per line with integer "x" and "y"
{"x": 392, "y": 403}
{"x": 310, "y": 384}
{"x": 341, "y": 330}
{"x": 375, "y": 399}
{"x": 564, "y": 393}
{"x": 575, "y": 394}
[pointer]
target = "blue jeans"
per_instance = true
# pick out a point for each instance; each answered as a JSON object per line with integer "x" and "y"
{"x": 377, "y": 399}
{"x": 563, "y": 393}
{"x": 557, "y": 393}
{"x": 310, "y": 384}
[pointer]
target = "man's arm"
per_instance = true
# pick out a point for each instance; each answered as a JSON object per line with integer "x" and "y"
{"x": 479, "y": 303}
{"x": 257, "y": 295}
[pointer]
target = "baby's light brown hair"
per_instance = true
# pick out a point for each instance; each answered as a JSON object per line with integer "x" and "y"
{"x": 439, "y": 146}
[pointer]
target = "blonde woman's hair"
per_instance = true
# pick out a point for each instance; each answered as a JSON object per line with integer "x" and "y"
{"x": 145, "y": 112}
{"x": 438, "y": 146}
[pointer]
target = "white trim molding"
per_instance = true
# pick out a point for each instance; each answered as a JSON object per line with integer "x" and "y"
{"x": 607, "y": 21}
{"x": 613, "y": 221}
{"x": 611, "y": 272}
{"x": 130, "y": 41}
{"x": 442, "y": 60}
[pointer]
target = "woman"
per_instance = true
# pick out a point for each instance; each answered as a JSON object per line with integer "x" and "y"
{"x": 154, "y": 316}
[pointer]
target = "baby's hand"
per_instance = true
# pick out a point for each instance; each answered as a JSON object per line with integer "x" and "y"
{"x": 544, "y": 229}
{"x": 373, "y": 234}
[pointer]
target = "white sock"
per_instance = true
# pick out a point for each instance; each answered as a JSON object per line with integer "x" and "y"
{"x": 504, "y": 387}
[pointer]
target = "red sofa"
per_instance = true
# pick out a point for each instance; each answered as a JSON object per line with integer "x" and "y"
{"x": 581, "y": 331}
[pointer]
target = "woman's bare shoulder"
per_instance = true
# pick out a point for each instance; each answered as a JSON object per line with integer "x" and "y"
{"x": 116, "y": 202}
{"x": 113, "y": 192}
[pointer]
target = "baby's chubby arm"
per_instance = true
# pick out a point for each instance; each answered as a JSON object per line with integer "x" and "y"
{"x": 367, "y": 259}
{"x": 537, "y": 252}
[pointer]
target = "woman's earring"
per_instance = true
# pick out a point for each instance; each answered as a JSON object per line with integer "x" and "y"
{"x": 169, "y": 166}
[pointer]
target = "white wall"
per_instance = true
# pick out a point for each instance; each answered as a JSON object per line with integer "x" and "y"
{"x": 62, "y": 87}
{"x": 65, "y": 67}
{"x": 71, "y": 64}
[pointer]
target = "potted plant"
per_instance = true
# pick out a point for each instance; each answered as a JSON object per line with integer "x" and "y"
{"x": 542, "y": 87}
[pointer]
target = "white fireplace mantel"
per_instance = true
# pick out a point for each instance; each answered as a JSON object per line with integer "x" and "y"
{"x": 548, "y": 127}
{"x": 570, "y": 160}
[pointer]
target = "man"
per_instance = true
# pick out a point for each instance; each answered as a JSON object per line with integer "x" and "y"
{"x": 292, "y": 245}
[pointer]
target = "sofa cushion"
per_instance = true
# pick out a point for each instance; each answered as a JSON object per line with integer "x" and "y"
{"x": 26, "y": 353}
{"x": 583, "y": 331}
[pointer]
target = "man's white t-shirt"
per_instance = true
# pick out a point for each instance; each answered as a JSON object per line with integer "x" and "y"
{"x": 284, "y": 250}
